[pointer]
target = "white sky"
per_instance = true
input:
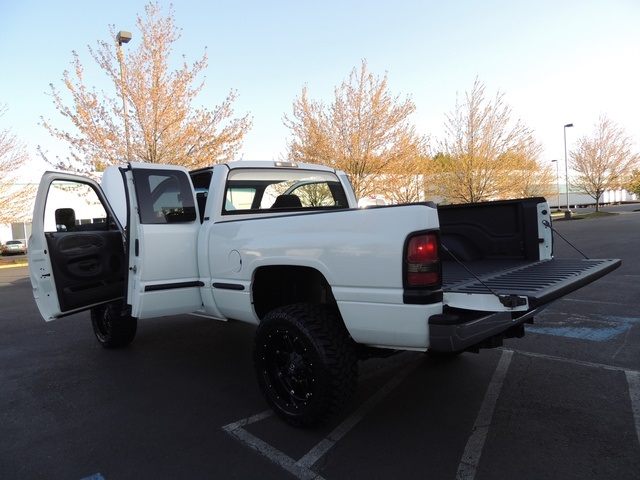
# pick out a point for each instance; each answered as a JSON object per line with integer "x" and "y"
{"x": 556, "y": 61}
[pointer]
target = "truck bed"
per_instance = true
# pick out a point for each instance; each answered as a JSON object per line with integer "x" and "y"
{"x": 494, "y": 248}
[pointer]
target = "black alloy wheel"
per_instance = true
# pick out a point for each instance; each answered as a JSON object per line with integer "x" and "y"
{"x": 112, "y": 328}
{"x": 305, "y": 363}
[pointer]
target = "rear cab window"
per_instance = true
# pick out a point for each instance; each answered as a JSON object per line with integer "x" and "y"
{"x": 250, "y": 190}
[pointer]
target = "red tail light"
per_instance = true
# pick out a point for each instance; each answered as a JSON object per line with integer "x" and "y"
{"x": 423, "y": 248}
{"x": 423, "y": 261}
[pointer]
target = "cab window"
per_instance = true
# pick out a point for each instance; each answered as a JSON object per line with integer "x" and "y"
{"x": 164, "y": 196}
{"x": 265, "y": 190}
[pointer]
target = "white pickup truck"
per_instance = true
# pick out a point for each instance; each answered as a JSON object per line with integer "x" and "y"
{"x": 284, "y": 246}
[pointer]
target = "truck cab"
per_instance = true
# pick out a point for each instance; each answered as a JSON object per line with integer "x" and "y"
{"x": 138, "y": 237}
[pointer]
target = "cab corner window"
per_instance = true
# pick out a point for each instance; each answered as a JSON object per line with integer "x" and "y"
{"x": 73, "y": 206}
{"x": 164, "y": 196}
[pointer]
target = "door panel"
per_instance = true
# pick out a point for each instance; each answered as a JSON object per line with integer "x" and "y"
{"x": 77, "y": 257}
{"x": 89, "y": 268}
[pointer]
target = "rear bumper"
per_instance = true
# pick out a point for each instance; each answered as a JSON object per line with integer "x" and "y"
{"x": 461, "y": 330}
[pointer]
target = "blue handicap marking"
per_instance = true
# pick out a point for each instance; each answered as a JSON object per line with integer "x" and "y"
{"x": 95, "y": 476}
{"x": 598, "y": 328}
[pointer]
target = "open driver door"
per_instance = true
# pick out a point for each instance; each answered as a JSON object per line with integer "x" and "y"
{"x": 139, "y": 259}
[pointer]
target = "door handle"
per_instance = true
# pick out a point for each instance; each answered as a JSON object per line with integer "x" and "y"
{"x": 87, "y": 266}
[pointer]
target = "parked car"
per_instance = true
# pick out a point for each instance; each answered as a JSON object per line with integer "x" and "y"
{"x": 14, "y": 247}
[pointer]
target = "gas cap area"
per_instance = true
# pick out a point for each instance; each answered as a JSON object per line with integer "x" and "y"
{"x": 235, "y": 261}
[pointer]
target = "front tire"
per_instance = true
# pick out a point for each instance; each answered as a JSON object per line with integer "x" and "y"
{"x": 305, "y": 363}
{"x": 112, "y": 328}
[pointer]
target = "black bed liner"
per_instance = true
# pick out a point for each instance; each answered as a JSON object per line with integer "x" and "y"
{"x": 541, "y": 282}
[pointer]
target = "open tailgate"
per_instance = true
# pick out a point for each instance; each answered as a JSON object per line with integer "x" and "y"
{"x": 540, "y": 282}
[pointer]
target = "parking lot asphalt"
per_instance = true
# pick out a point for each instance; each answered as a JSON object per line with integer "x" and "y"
{"x": 181, "y": 402}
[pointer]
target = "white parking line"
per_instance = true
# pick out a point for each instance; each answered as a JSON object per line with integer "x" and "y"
{"x": 207, "y": 316}
{"x": 469, "y": 462}
{"x": 323, "y": 447}
{"x": 302, "y": 467}
{"x": 579, "y": 300}
{"x": 475, "y": 444}
{"x": 575, "y": 362}
{"x": 276, "y": 456}
{"x": 272, "y": 453}
{"x": 633, "y": 379}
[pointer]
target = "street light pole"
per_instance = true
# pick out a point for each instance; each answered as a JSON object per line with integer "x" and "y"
{"x": 567, "y": 214}
{"x": 557, "y": 182}
{"x": 124, "y": 37}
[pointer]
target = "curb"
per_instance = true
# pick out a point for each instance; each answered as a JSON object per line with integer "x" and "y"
{"x": 14, "y": 265}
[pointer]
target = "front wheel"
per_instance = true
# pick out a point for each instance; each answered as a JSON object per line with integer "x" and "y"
{"x": 112, "y": 328}
{"x": 305, "y": 363}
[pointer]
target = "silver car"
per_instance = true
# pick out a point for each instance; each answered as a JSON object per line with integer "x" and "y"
{"x": 14, "y": 247}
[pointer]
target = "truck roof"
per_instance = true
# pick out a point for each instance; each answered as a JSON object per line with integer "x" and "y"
{"x": 269, "y": 164}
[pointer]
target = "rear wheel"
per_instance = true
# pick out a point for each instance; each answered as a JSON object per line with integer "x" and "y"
{"x": 112, "y": 328}
{"x": 305, "y": 363}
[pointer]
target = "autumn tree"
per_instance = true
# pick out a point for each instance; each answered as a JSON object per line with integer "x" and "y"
{"x": 484, "y": 155}
{"x": 532, "y": 179}
{"x": 603, "y": 160}
{"x": 633, "y": 184}
{"x": 15, "y": 195}
{"x": 365, "y": 132}
{"x": 162, "y": 125}
{"x": 409, "y": 183}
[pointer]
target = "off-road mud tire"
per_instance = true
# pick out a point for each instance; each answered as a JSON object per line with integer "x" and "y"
{"x": 305, "y": 363}
{"x": 112, "y": 328}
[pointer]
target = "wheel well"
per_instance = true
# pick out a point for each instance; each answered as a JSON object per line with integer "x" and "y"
{"x": 279, "y": 285}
